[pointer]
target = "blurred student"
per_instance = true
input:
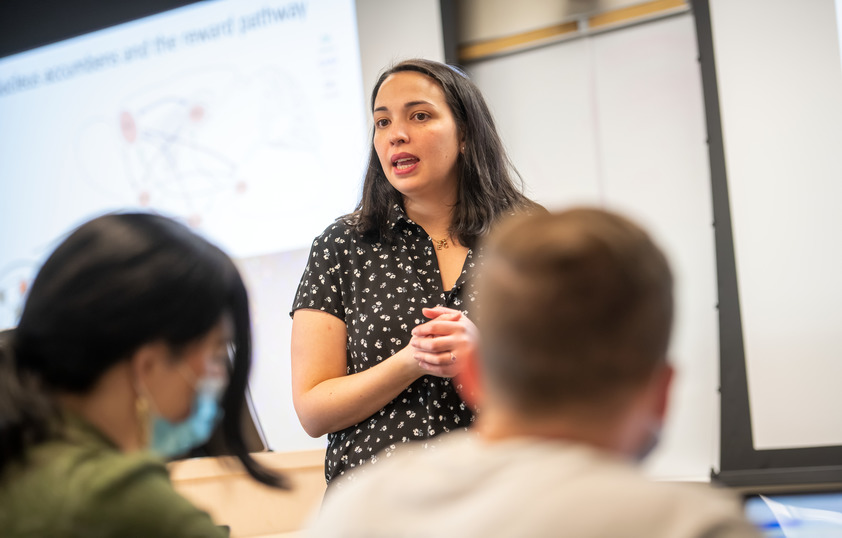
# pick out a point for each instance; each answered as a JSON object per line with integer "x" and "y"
{"x": 135, "y": 336}
{"x": 575, "y": 315}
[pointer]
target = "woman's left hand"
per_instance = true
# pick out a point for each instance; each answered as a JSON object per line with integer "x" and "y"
{"x": 442, "y": 344}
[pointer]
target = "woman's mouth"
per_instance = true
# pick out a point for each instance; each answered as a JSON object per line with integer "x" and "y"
{"x": 404, "y": 163}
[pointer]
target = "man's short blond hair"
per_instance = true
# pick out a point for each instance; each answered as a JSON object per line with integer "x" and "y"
{"x": 575, "y": 306}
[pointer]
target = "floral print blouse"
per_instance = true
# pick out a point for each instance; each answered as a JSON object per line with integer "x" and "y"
{"x": 378, "y": 289}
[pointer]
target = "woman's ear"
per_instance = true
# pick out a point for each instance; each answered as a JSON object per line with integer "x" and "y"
{"x": 147, "y": 361}
{"x": 159, "y": 376}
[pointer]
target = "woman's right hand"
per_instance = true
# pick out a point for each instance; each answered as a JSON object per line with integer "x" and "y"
{"x": 442, "y": 345}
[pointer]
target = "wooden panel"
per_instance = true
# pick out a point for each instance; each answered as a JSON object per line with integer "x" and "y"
{"x": 505, "y": 44}
{"x": 627, "y": 14}
{"x": 222, "y": 488}
{"x": 557, "y": 32}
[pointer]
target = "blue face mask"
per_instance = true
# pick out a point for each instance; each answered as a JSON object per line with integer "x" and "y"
{"x": 175, "y": 439}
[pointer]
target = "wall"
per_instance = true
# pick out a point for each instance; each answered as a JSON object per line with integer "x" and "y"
{"x": 391, "y": 30}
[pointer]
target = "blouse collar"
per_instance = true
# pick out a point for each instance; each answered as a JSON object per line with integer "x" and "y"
{"x": 398, "y": 217}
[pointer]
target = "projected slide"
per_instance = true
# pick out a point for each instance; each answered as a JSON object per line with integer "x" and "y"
{"x": 243, "y": 119}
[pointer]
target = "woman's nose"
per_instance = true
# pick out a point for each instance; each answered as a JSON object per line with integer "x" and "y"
{"x": 398, "y": 135}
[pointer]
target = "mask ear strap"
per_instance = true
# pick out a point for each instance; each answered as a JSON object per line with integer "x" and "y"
{"x": 212, "y": 387}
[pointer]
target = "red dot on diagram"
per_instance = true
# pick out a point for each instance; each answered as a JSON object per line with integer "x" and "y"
{"x": 144, "y": 198}
{"x": 23, "y": 286}
{"x": 197, "y": 113}
{"x": 194, "y": 221}
{"x": 128, "y": 126}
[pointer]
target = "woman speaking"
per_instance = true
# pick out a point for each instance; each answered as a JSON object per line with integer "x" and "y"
{"x": 382, "y": 313}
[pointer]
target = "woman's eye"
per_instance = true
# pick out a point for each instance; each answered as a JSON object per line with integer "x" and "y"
{"x": 421, "y": 116}
{"x": 382, "y": 122}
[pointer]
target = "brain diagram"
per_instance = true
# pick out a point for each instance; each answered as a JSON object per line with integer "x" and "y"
{"x": 192, "y": 145}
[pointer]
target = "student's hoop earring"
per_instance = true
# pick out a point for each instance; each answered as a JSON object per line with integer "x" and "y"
{"x": 141, "y": 408}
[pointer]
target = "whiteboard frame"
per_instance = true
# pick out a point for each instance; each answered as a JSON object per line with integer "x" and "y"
{"x": 740, "y": 464}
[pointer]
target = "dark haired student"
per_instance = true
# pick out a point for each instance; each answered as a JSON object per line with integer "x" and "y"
{"x": 135, "y": 335}
{"x": 381, "y": 321}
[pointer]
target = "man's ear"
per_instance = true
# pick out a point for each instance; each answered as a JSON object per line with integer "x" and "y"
{"x": 662, "y": 383}
{"x": 469, "y": 382}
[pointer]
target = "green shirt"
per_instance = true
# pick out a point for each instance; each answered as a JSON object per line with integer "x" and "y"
{"x": 82, "y": 485}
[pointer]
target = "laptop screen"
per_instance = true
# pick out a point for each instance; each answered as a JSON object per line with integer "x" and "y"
{"x": 796, "y": 515}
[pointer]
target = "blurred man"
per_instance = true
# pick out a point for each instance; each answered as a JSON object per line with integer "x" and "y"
{"x": 571, "y": 387}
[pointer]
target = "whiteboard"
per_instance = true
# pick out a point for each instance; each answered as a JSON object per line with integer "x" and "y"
{"x": 617, "y": 120}
{"x": 780, "y": 91}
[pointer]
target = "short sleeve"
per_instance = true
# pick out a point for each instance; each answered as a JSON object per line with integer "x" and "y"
{"x": 321, "y": 284}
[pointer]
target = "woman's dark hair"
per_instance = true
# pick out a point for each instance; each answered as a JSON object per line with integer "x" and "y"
{"x": 116, "y": 283}
{"x": 486, "y": 190}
